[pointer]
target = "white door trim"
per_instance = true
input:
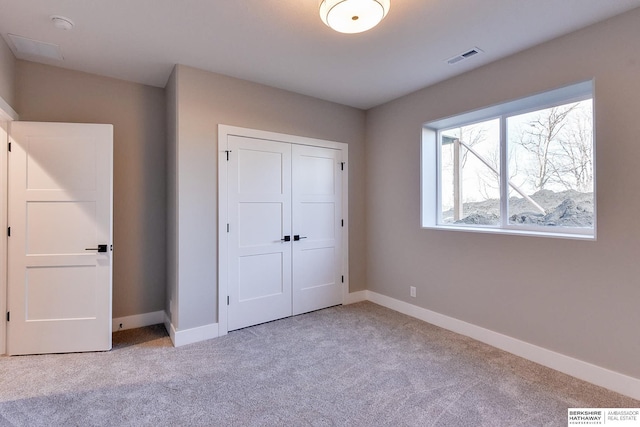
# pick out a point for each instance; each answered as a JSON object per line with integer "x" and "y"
{"x": 7, "y": 114}
{"x": 223, "y": 255}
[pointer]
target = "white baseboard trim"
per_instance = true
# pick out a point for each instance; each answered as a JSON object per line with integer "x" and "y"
{"x": 354, "y": 297}
{"x": 620, "y": 383}
{"x": 170, "y": 329}
{"x": 137, "y": 321}
{"x": 190, "y": 336}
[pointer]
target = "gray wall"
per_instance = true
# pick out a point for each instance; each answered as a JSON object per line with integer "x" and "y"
{"x": 7, "y": 73}
{"x": 205, "y": 100}
{"x": 577, "y": 298}
{"x": 171, "y": 303}
{"x": 45, "y": 93}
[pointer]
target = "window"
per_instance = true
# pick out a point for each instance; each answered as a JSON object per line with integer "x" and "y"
{"x": 522, "y": 167}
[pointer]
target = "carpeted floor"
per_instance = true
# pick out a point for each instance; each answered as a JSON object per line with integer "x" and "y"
{"x": 357, "y": 365}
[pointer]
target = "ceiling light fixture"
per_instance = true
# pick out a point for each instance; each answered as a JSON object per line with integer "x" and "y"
{"x": 353, "y": 16}
{"x": 61, "y": 22}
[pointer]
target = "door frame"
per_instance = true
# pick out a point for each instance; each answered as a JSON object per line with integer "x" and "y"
{"x": 224, "y": 131}
{"x": 7, "y": 115}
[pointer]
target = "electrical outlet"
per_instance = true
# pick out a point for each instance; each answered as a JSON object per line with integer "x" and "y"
{"x": 412, "y": 291}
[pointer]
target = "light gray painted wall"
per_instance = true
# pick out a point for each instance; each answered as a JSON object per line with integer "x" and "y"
{"x": 171, "y": 302}
{"x": 574, "y": 297}
{"x": 206, "y": 100}
{"x": 7, "y": 74}
{"x": 46, "y": 93}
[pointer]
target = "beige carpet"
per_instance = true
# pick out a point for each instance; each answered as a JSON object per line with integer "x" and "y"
{"x": 358, "y": 365}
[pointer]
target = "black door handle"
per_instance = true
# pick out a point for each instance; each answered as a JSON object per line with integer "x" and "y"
{"x": 100, "y": 248}
{"x": 297, "y": 237}
{"x": 286, "y": 239}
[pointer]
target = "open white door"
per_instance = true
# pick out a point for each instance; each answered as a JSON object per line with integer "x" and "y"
{"x": 60, "y": 219}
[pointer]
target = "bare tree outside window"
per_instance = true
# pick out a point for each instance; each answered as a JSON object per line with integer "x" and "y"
{"x": 525, "y": 166}
{"x": 553, "y": 150}
{"x": 556, "y": 146}
{"x": 550, "y": 167}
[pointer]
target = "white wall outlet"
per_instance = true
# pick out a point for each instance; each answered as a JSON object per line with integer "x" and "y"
{"x": 412, "y": 291}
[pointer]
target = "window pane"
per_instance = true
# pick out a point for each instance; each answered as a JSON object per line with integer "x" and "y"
{"x": 470, "y": 174}
{"x": 551, "y": 166}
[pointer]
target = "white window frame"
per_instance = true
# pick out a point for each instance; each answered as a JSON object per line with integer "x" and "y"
{"x": 431, "y": 215}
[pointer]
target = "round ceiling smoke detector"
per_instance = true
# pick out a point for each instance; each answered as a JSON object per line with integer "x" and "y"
{"x": 62, "y": 23}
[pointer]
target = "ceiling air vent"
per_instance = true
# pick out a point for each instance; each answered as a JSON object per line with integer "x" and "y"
{"x": 465, "y": 55}
{"x": 29, "y": 48}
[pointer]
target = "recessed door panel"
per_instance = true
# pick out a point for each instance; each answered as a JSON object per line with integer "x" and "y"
{"x": 260, "y": 276}
{"x": 48, "y": 290}
{"x": 320, "y": 268}
{"x": 73, "y": 235}
{"x": 49, "y": 167}
{"x": 259, "y": 223}
{"x": 317, "y": 220}
{"x": 259, "y": 172}
{"x": 319, "y": 177}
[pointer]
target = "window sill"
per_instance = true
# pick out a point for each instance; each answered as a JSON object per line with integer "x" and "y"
{"x": 514, "y": 232}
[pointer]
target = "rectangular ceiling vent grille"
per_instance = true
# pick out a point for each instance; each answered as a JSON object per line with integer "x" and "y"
{"x": 29, "y": 48}
{"x": 465, "y": 55}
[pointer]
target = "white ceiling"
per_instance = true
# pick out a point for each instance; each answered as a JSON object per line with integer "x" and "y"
{"x": 283, "y": 43}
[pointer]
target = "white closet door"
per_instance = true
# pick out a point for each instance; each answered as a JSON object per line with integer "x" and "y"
{"x": 316, "y": 188}
{"x": 259, "y": 212}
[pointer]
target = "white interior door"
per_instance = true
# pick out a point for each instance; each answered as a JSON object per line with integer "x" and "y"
{"x": 60, "y": 211}
{"x": 259, "y": 205}
{"x": 317, "y": 223}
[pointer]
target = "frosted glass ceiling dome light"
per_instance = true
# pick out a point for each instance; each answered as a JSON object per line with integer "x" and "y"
{"x": 353, "y": 16}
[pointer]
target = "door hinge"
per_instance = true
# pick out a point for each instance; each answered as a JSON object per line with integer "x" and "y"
{"x": 227, "y": 299}
{"x": 227, "y": 228}
{"x": 9, "y": 146}
{"x": 341, "y": 166}
{"x": 8, "y": 316}
{"x": 9, "y": 231}
{"x": 342, "y": 222}
{"x": 342, "y": 279}
{"x": 227, "y": 151}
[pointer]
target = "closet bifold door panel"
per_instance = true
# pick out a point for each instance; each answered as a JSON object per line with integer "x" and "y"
{"x": 284, "y": 231}
{"x": 317, "y": 223}
{"x": 259, "y": 182}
